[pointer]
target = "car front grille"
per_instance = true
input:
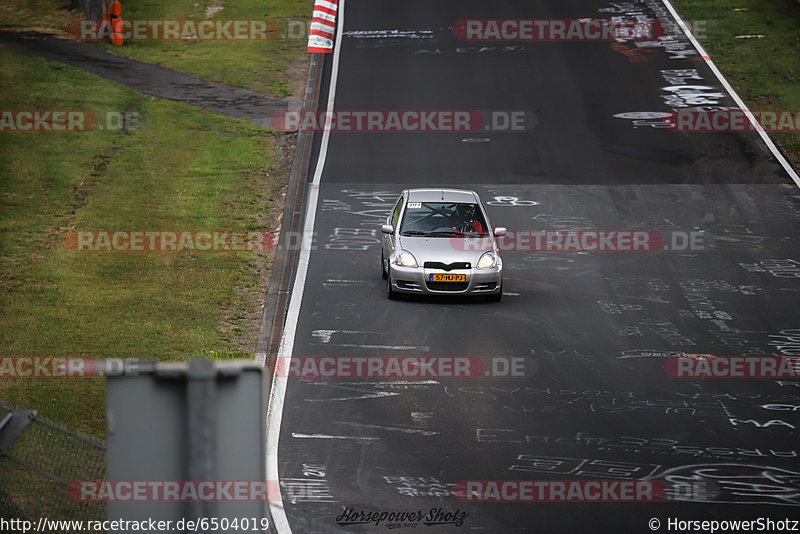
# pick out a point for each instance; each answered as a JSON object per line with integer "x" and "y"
{"x": 447, "y": 266}
{"x": 447, "y": 286}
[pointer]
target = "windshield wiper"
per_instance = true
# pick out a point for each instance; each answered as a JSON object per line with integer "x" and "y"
{"x": 413, "y": 232}
{"x": 441, "y": 233}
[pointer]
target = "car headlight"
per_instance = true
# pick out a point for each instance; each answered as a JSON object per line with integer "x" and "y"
{"x": 487, "y": 261}
{"x": 406, "y": 259}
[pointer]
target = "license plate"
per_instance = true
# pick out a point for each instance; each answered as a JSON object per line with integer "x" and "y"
{"x": 440, "y": 277}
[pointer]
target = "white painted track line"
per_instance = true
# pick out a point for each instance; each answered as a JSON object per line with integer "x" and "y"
{"x": 739, "y": 102}
{"x": 275, "y": 408}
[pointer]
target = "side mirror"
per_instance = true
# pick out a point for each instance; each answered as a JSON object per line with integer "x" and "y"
{"x": 500, "y": 231}
{"x": 387, "y": 229}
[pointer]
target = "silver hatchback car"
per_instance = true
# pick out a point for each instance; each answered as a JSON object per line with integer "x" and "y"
{"x": 440, "y": 242}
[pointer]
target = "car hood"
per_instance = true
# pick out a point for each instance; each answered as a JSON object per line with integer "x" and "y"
{"x": 446, "y": 249}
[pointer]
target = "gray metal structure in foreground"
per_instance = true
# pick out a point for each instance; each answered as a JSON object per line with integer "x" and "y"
{"x": 200, "y": 420}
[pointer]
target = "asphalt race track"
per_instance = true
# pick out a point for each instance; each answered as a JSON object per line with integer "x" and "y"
{"x": 591, "y": 331}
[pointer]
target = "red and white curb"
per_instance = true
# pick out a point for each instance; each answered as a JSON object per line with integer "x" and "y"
{"x": 323, "y": 26}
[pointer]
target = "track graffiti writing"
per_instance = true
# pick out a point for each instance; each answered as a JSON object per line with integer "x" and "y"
{"x": 734, "y": 236}
{"x": 575, "y": 395}
{"x": 616, "y": 309}
{"x": 691, "y": 96}
{"x": 760, "y": 424}
{"x": 787, "y": 342}
{"x": 787, "y": 268}
{"x": 617, "y": 406}
{"x": 505, "y": 200}
{"x": 533, "y": 463}
{"x": 352, "y": 239}
{"x": 781, "y": 407}
{"x": 472, "y": 50}
{"x": 696, "y": 292}
{"x": 741, "y": 341}
{"x": 731, "y": 482}
{"x": 313, "y": 488}
{"x": 420, "y": 486}
{"x": 664, "y": 329}
{"x": 647, "y": 353}
{"x": 646, "y": 119}
{"x": 563, "y": 222}
{"x": 627, "y": 444}
{"x": 741, "y": 483}
{"x": 638, "y": 285}
{"x": 336, "y": 311}
{"x": 633, "y": 55}
{"x": 681, "y": 76}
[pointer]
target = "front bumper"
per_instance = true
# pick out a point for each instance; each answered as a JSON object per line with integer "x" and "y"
{"x": 416, "y": 280}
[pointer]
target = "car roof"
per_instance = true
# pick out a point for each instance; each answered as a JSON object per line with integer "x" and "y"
{"x": 436, "y": 195}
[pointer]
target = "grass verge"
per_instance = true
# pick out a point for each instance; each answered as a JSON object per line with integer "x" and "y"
{"x": 259, "y": 65}
{"x": 182, "y": 169}
{"x": 765, "y": 70}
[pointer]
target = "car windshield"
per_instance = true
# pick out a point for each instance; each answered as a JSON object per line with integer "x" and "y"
{"x": 442, "y": 219}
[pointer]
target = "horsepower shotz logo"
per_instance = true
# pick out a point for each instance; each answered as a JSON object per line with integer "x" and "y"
{"x": 557, "y": 29}
{"x": 432, "y": 517}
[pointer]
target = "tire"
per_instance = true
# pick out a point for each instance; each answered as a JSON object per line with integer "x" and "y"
{"x": 383, "y": 265}
{"x": 391, "y": 294}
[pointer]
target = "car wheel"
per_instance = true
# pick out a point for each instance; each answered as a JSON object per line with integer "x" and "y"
{"x": 497, "y": 297}
{"x": 390, "y": 293}
{"x": 383, "y": 266}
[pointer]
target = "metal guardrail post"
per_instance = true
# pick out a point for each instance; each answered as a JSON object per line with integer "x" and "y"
{"x": 201, "y": 389}
{"x": 12, "y": 426}
{"x": 195, "y": 421}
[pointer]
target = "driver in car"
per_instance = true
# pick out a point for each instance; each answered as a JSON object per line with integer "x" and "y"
{"x": 462, "y": 219}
